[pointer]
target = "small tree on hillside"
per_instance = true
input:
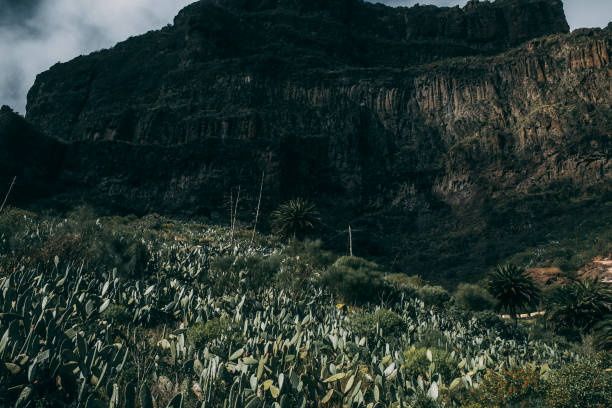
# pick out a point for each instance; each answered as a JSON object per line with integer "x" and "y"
{"x": 513, "y": 288}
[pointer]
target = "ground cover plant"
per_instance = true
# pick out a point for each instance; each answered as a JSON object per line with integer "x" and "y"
{"x": 153, "y": 312}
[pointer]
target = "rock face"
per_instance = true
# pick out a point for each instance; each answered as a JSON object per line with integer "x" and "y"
{"x": 413, "y": 123}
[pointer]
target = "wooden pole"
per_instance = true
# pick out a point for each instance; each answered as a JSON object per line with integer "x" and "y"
{"x": 263, "y": 174}
{"x": 8, "y": 193}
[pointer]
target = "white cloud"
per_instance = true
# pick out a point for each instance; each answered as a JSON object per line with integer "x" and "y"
{"x": 59, "y": 30}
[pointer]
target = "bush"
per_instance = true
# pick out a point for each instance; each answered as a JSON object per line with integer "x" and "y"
{"x": 586, "y": 383}
{"x": 433, "y": 338}
{"x": 118, "y": 314}
{"x": 303, "y": 261}
{"x": 12, "y": 226}
{"x": 474, "y": 297}
{"x": 128, "y": 255}
{"x": 202, "y": 334}
{"x": 417, "y": 362}
{"x": 492, "y": 321}
{"x": 382, "y": 321}
{"x": 602, "y": 333}
{"x": 579, "y": 306}
{"x": 356, "y": 280}
{"x": 310, "y": 252}
{"x": 253, "y": 271}
{"x": 404, "y": 284}
{"x": 433, "y": 295}
{"x": 508, "y": 388}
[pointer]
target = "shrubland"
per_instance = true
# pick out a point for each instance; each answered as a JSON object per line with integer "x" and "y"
{"x": 153, "y": 312}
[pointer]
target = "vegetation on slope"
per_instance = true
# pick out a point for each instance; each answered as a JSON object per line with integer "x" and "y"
{"x": 156, "y": 312}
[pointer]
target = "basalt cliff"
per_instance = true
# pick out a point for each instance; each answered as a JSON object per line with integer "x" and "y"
{"x": 448, "y": 138}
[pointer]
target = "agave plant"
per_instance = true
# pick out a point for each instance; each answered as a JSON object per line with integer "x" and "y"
{"x": 295, "y": 218}
{"x": 513, "y": 288}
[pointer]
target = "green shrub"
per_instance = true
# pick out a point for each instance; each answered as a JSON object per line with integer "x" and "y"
{"x": 433, "y": 295}
{"x": 493, "y": 322}
{"x": 310, "y": 252}
{"x": 520, "y": 387}
{"x": 404, "y": 284}
{"x": 433, "y": 338}
{"x": 602, "y": 333}
{"x": 202, "y": 334}
{"x": 384, "y": 321}
{"x": 13, "y": 222}
{"x": 417, "y": 362}
{"x": 301, "y": 262}
{"x": 579, "y": 306}
{"x": 474, "y": 297}
{"x": 356, "y": 280}
{"x": 586, "y": 383}
{"x": 118, "y": 314}
{"x": 128, "y": 255}
{"x": 252, "y": 271}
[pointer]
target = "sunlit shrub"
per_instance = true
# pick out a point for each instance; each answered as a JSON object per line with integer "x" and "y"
{"x": 586, "y": 383}
{"x": 201, "y": 334}
{"x": 474, "y": 297}
{"x": 520, "y": 387}
{"x": 433, "y": 295}
{"x": 382, "y": 321}
{"x": 356, "y": 280}
{"x": 429, "y": 361}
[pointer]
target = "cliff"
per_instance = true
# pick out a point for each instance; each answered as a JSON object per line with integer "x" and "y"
{"x": 417, "y": 124}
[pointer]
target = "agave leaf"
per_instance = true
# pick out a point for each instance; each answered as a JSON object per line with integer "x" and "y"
{"x": 335, "y": 377}
{"x": 327, "y": 396}
{"x": 236, "y": 355}
{"x": 24, "y": 397}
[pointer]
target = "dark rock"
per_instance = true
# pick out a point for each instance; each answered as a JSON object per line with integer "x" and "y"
{"x": 417, "y": 124}
{"x": 27, "y": 155}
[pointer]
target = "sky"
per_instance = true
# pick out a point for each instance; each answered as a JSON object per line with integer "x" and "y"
{"x": 35, "y": 34}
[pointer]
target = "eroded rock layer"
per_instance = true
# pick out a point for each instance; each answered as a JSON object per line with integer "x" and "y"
{"x": 414, "y": 123}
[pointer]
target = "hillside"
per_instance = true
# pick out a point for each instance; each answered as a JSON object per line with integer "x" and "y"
{"x": 154, "y": 312}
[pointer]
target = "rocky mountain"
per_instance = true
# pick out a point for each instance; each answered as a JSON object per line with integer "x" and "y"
{"x": 449, "y": 138}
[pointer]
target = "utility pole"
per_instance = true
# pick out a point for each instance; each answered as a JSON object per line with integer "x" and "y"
{"x": 350, "y": 231}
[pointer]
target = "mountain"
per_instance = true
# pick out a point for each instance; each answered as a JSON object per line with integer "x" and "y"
{"x": 448, "y": 138}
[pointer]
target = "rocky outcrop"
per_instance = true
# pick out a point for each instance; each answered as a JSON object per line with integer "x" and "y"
{"x": 399, "y": 118}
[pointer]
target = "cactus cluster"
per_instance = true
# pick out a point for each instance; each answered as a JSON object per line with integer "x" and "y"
{"x": 78, "y": 336}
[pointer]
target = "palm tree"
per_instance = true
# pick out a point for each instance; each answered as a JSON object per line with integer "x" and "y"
{"x": 580, "y": 305}
{"x": 513, "y": 288}
{"x": 295, "y": 218}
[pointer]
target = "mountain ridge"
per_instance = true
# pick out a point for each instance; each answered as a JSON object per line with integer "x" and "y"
{"x": 463, "y": 146}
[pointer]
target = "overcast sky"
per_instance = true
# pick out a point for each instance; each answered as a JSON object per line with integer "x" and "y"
{"x": 35, "y": 34}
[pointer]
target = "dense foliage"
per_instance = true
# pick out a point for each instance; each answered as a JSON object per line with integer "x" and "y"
{"x": 206, "y": 318}
{"x": 513, "y": 288}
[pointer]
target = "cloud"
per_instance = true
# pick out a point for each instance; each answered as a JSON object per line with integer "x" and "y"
{"x": 35, "y": 34}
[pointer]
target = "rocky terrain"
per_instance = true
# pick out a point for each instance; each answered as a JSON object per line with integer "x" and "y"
{"x": 448, "y": 138}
